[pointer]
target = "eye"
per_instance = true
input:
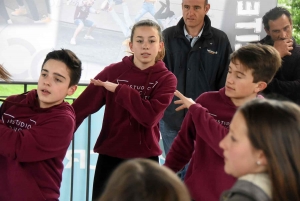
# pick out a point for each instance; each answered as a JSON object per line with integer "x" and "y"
{"x": 232, "y": 138}
{"x": 152, "y": 41}
{"x": 239, "y": 77}
{"x": 229, "y": 71}
{"x": 197, "y": 7}
{"x": 186, "y": 7}
{"x": 57, "y": 80}
{"x": 139, "y": 41}
{"x": 43, "y": 74}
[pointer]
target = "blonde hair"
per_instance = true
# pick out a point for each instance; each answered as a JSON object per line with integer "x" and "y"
{"x": 143, "y": 179}
{"x": 4, "y": 74}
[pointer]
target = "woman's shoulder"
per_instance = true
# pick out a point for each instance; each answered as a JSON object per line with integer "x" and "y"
{"x": 249, "y": 188}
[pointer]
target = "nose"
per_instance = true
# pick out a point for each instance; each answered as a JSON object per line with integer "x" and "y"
{"x": 223, "y": 143}
{"x": 47, "y": 81}
{"x": 145, "y": 46}
{"x": 229, "y": 78}
{"x": 283, "y": 35}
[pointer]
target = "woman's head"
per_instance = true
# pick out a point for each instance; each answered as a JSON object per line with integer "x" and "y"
{"x": 146, "y": 42}
{"x": 143, "y": 179}
{"x": 267, "y": 133}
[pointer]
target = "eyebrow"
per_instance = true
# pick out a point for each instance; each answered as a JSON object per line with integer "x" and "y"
{"x": 237, "y": 71}
{"x": 57, "y": 74}
{"x": 143, "y": 37}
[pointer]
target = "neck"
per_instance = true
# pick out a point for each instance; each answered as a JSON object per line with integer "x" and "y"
{"x": 194, "y": 31}
{"x": 143, "y": 66}
{"x": 240, "y": 101}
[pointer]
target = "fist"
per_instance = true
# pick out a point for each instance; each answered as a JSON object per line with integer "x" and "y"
{"x": 284, "y": 47}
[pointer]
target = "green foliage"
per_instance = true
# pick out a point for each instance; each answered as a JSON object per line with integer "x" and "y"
{"x": 294, "y": 7}
{"x": 295, "y": 11}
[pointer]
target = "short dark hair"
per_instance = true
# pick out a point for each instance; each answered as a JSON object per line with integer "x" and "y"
{"x": 274, "y": 14}
{"x": 71, "y": 60}
{"x": 274, "y": 127}
{"x": 264, "y": 60}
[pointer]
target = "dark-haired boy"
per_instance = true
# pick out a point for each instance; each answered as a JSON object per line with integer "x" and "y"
{"x": 36, "y": 129}
{"x": 207, "y": 121}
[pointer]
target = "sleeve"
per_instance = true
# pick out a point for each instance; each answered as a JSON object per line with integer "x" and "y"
{"x": 207, "y": 127}
{"x": 183, "y": 146}
{"x": 147, "y": 112}
{"x": 90, "y": 101}
{"x": 47, "y": 140}
{"x": 223, "y": 66}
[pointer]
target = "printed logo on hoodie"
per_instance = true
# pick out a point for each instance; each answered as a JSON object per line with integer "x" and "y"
{"x": 16, "y": 124}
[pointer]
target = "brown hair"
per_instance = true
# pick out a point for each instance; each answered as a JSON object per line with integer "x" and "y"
{"x": 70, "y": 59}
{"x": 143, "y": 179}
{"x": 274, "y": 128}
{"x": 4, "y": 74}
{"x": 264, "y": 60}
{"x": 150, "y": 23}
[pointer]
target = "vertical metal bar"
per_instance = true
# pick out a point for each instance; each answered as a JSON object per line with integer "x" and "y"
{"x": 88, "y": 158}
{"x": 72, "y": 169}
{"x": 25, "y": 87}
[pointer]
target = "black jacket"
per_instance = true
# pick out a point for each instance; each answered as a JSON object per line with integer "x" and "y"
{"x": 286, "y": 83}
{"x": 199, "y": 69}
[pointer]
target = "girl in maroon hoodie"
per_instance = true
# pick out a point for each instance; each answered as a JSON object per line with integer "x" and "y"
{"x": 135, "y": 92}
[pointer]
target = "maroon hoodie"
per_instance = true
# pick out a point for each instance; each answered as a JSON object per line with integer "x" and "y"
{"x": 33, "y": 144}
{"x": 204, "y": 126}
{"x": 132, "y": 113}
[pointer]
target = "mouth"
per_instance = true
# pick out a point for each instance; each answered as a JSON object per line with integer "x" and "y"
{"x": 145, "y": 54}
{"x": 229, "y": 88}
{"x": 44, "y": 91}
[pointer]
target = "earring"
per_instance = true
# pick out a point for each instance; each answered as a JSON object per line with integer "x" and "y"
{"x": 258, "y": 162}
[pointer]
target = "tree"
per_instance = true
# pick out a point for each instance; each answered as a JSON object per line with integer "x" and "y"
{"x": 295, "y": 11}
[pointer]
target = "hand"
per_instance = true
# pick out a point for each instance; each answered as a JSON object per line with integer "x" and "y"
{"x": 110, "y": 86}
{"x": 184, "y": 101}
{"x": 284, "y": 46}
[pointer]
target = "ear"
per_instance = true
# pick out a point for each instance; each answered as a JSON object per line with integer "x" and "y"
{"x": 206, "y": 8}
{"x": 161, "y": 46}
{"x": 71, "y": 90}
{"x": 262, "y": 158}
{"x": 260, "y": 86}
{"x": 130, "y": 46}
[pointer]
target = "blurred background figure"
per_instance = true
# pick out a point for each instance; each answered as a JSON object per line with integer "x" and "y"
{"x": 108, "y": 5}
{"x": 82, "y": 11}
{"x": 4, "y": 13}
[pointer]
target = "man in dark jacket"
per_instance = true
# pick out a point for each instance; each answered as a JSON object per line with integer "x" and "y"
{"x": 286, "y": 83}
{"x": 198, "y": 55}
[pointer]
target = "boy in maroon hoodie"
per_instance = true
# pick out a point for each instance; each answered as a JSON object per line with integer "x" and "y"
{"x": 36, "y": 129}
{"x": 135, "y": 92}
{"x": 208, "y": 119}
